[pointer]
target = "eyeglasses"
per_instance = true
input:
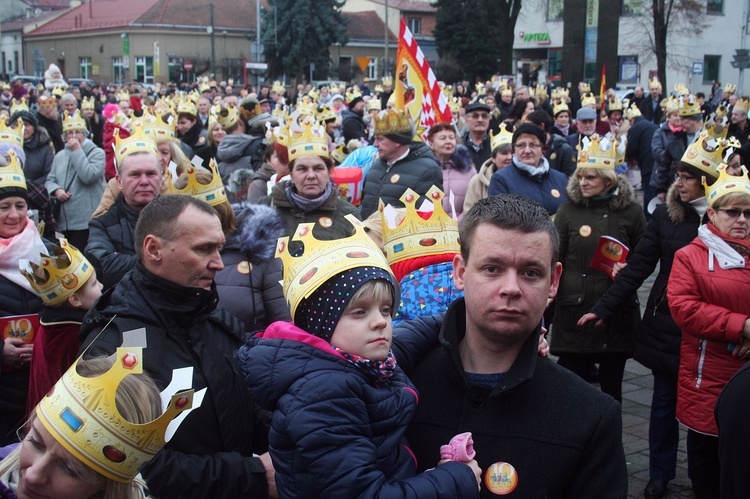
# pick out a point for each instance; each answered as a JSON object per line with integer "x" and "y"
{"x": 735, "y": 213}
{"x": 683, "y": 178}
{"x": 531, "y": 145}
{"x": 477, "y": 116}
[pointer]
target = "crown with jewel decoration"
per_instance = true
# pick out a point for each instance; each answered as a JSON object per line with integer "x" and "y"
{"x": 603, "y": 153}
{"x": 588, "y": 99}
{"x": 278, "y": 87}
{"x": 614, "y": 105}
{"x": 584, "y": 88}
{"x": 503, "y": 137}
{"x": 280, "y": 112}
{"x": 212, "y": 193}
{"x": 87, "y": 103}
{"x": 123, "y": 95}
{"x": 379, "y": 89}
{"x": 57, "y": 276}
{"x": 46, "y": 102}
{"x": 187, "y": 106}
{"x": 339, "y": 154}
{"x": 81, "y": 415}
{"x": 706, "y": 152}
{"x": 387, "y": 81}
{"x": 326, "y": 113}
{"x": 374, "y": 104}
{"x": 689, "y": 105}
{"x": 717, "y": 125}
{"x": 418, "y": 237}
{"x": 137, "y": 142}
{"x": 13, "y": 134}
{"x": 312, "y": 141}
{"x": 307, "y": 108}
{"x": 632, "y": 111}
{"x": 227, "y": 115}
{"x": 654, "y": 83}
{"x": 58, "y": 92}
{"x": 681, "y": 89}
{"x": 160, "y": 125}
{"x": 506, "y": 92}
{"x": 313, "y": 94}
{"x": 320, "y": 260}
{"x": 392, "y": 121}
{"x": 18, "y": 105}
{"x": 352, "y": 94}
{"x": 12, "y": 176}
{"x": 278, "y": 133}
{"x": 726, "y": 184}
{"x": 743, "y": 104}
{"x": 559, "y": 108}
{"x": 73, "y": 121}
{"x": 730, "y": 88}
{"x": 455, "y": 105}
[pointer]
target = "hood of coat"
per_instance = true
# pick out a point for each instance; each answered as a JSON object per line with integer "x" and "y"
{"x": 623, "y": 197}
{"x": 258, "y": 230}
{"x": 676, "y": 209}
{"x": 232, "y": 147}
{"x": 40, "y": 138}
{"x": 461, "y": 159}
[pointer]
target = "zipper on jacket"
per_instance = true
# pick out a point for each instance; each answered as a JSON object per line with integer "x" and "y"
{"x": 701, "y": 360}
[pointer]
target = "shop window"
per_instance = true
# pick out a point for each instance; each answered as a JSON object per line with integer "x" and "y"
{"x": 715, "y": 6}
{"x": 86, "y": 67}
{"x": 118, "y": 70}
{"x": 711, "y": 65}
{"x": 144, "y": 69}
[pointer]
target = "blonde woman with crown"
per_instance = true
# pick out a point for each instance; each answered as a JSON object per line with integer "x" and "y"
{"x": 707, "y": 292}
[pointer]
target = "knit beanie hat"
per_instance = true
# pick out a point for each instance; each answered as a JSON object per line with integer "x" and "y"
{"x": 530, "y": 129}
{"x": 320, "y": 312}
{"x": 25, "y": 116}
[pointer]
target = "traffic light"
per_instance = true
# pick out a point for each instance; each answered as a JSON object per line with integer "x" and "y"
{"x": 741, "y": 59}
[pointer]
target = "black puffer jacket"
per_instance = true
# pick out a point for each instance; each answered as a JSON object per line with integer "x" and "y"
{"x": 673, "y": 225}
{"x": 418, "y": 170}
{"x": 210, "y": 455}
{"x": 111, "y": 246}
{"x": 352, "y": 125}
{"x": 249, "y": 284}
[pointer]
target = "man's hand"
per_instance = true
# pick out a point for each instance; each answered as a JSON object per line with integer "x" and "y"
{"x": 590, "y": 317}
{"x": 16, "y": 353}
{"x": 73, "y": 144}
{"x": 270, "y": 475}
{"x": 62, "y": 196}
{"x": 617, "y": 268}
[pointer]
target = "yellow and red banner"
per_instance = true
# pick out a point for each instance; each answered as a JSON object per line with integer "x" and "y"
{"x": 603, "y": 88}
{"x": 416, "y": 87}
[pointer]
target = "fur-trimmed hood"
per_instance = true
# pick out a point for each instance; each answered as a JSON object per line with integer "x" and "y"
{"x": 461, "y": 159}
{"x": 39, "y": 139}
{"x": 624, "y": 195}
{"x": 258, "y": 229}
{"x": 675, "y": 207}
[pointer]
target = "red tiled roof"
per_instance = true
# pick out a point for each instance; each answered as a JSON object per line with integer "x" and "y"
{"x": 47, "y": 4}
{"x": 407, "y": 5}
{"x": 96, "y": 15}
{"x": 238, "y": 14}
{"x": 19, "y": 23}
{"x": 367, "y": 26}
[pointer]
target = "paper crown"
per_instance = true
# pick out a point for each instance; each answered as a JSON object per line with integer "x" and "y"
{"x": 455, "y": 105}
{"x": 726, "y": 184}
{"x": 278, "y": 87}
{"x": 73, "y": 121}
{"x": 87, "y": 103}
{"x": 506, "y": 92}
{"x": 339, "y": 154}
{"x": 681, "y": 89}
{"x": 540, "y": 91}
{"x": 743, "y": 104}
{"x": 654, "y": 83}
{"x": 227, "y": 115}
{"x": 387, "y": 81}
{"x": 672, "y": 104}
{"x": 352, "y": 94}
{"x": 321, "y": 260}
{"x": 81, "y": 415}
{"x": 379, "y": 89}
{"x": 588, "y": 99}
{"x": 212, "y": 193}
{"x": 313, "y": 94}
{"x": 392, "y": 121}
{"x": 123, "y": 95}
{"x": 614, "y": 105}
{"x": 160, "y": 125}
{"x": 307, "y": 108}
{"x": 46, "y": 102}
{"x": 278, "y": 134}
{"x": 584, "y": 88}
{"x": 559, "y": 108}
{"x": 603, "y": 153}
{"x": 417, "y": 237}
{"x": 312, "y": 141}
{"x": 479, "y": 87}
{"x": 187, "y": 106}
{"x": 717, "y": 125}
{"x": 503, "y": 137}
{"x": 204, "y": 87}
{"x": 326, "y": 113}
{"x": 13, "y": 134}
{"x": 729, "y": 88}
{"x": 59, "y": 275}
{"x": 58, "y": 92}
{"x": 689, "y": 105}
{"x": 18, "y": 105}
{"x": 12, "y": 176}
{"x": 4, "y": 85}
{"x": 374, "y": 104}
{"x": 706, "y": 152}
{"x": 280, "y": 112}
{"x": 561, "y": 93}
{"x": 137, "y": 142}
{"x": 632, "y": 111}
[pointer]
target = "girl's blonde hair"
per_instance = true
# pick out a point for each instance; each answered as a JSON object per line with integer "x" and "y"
{"x": 377, "y": 289}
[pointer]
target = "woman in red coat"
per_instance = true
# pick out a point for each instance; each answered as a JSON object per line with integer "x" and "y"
{"x": 707, "y": 293}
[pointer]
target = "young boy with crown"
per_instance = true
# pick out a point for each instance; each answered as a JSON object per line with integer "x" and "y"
{"x": 68, "y": 287}
{"x": 341, "y": 403}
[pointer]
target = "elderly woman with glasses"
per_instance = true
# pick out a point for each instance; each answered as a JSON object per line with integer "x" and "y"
{"x": 529, "y": 174}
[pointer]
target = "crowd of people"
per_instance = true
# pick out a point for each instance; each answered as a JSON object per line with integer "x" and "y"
{"x": 294, "y": 268}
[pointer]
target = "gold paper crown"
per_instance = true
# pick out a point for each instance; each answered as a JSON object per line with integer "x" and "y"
{"x": 726, "y": 184}
{"x": 743, "y": 104}
{"x": 632, "y": 111}
{"x": 729, "y": 88}
{"x": 374, "y": 104}
{"x": 46, "y": 102}
{"x": 392, "y": 121}
{"x": 479, "y": 87}
{"x": 160, "y": 126}
{"x": 204, "y": 87}
{"x": 507, "y": 92}
{"x": 503, "y": 137}
{"x": 416, "y": 237}
{"x": 584, "y": 88}
{"x": 307, "y": 108}
{"x": 12, "y": 135}
{"x": 81, "y": 414}
{"x": 387, "y": 81}
{"x": 540, "y": 91}
{"x": 313, "y": 94}
{"x": 706, "y": 153}
{"x": 325, "y": 113}
{"x": 58, "y": 276}
{"x": 18, "y": 105}
{"x": 313, "y": 141}
{"x": 447, "y": 90}
{"x": 334, "y": 89}
{"x": 681, "y": 89}
{"x": 601, "y": 153}
{"x": 379, "y": 89}
{"x": 137, "y": 142}
{"x": 559, "y": 108}
{"x": 278, "y": 87}
{"x": 455, "y": 105}
{"x": 614, "y": 105}
{"x": 4, "y": 85}
{"x": 187, "y": 106}
{"x": 278, "y": 134}
{"x": 339, "y": 154}
{"x": 717, "y": 126}
{"x": 671, "y": 104}
{"x": 280, "y": 112}
{"x": 212, "y": 193}
{"x": 73, "y": 121}
{"x": 227, "y": 115}
{"x": 87, "y": 103}
{"x": 588, "y": 99}
{"x": 689, "y": 105}
{"x": 123, "y": 95}
{"x": 58, "y": 92}
{"x": 321, "y": 260}
{"x": 12, "y": 175}
{"x": 352, "y": 94}
{"x": 654, "y": 83}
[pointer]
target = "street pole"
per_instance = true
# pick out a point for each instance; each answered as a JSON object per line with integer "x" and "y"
{"x": 385, "y": 59}
{"x": 213, "y": 51}
{"x": 743, "y": 45}
{"x": 257, "y": 43}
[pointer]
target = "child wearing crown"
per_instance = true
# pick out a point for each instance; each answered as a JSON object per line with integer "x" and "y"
{"x": 68, "y": 287}
{"x": 341, "y": 403}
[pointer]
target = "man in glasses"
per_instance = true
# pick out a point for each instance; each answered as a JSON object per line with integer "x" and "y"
{"x": 477, "y": 139}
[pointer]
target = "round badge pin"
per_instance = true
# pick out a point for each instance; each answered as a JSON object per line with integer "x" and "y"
{"x": 501, "y": 478}
{"x": 585, "y": 231}
{"x": 325, "y": 222}
{"x": 555, "y": 193}
{"x": 553, "y": 155}
{"x": 395, "y": 177}
{"x": 244, "y": 267}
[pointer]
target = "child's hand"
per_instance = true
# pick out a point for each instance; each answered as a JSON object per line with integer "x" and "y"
{"x": 477, "y": 472}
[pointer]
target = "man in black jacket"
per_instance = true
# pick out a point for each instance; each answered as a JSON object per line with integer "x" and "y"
{"x": 538, "y": 430}
{"x": 171, "y": 294}
{"x": 639, "y": 152}
{"x": 651, "y": 106}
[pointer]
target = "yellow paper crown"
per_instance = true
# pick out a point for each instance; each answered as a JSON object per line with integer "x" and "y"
{"x": 689, "y": 105}
{"x": 416, "y": 237}
{"x": 280, "y": 112}
{"x": 479, "y": 87}
{"x": 321, "y": 260}
{"x": 706, "y": 153}
{"x": 12, "y": 175}
{"x": 352, "y": 93}
{"x": 503, "y": 137}
{"x": 726, "y": 184}
{"x": 447, "y": 90}
{"x": 654, "y": 83}
{"x": 506, "y": 92}
{"x": 671, "y": 104}
{"x": 541, "y": 91}
{"x": 379, "y": 89}
{"x": 58, "y": 92}
{"x": 87, "y": 103}
{"x": 137, "y": 142}
{"x": 12, "y": 135}
{"x": 743, "y": 104}
{"x": 455, "y": 105}
{"x": 307, "y": 108}
{"x": 227, "y": 115}
{"x": 632, "y": 111}
{"x": 387, "y": 81}
{"x": 160, "y": 125}
{"x": 18, "y": 105}
{"x": 603, "y": 153}
{"x": 278, "y": 87}
{"x": 73, "y": 121}
{"x": 312, "y": 141}
{"x": 278, "y": 134}
{"x": 614, "y": 105}
{"x": 681, "y": 89}
{"x": 58, "y": 276}
{"x": 325, "y": 113}
{"x": 559, "y": 108}
{"x": 729, "y": 88}
{"x": 187, "y": 106}
{"x": 123, "y": 95}
{"x": 212, "y": 193}
{"x": 392, "y": 121}
{"x": 204, "y": 87}
{"x": 313, "y": 94}
{"x": 588, "y": 99}
{"x": 584, "y": 88}
{"x": 374, "y": 104}
{"x": 81, "y": 415}
{"x": 339, "y": 154}
{"x": 46, "y": 102}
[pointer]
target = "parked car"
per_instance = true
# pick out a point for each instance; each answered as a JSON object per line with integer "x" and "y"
{"x": 76, "y": 82}
{"x": 36, "y": 80}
